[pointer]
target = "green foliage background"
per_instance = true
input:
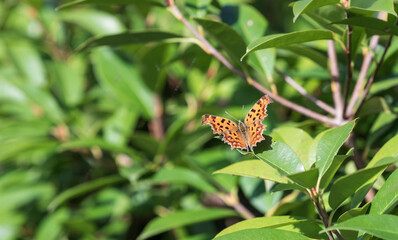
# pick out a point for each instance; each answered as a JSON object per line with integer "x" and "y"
{"x": 101, "y": 105}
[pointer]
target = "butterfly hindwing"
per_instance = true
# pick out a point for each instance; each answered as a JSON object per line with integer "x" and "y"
{"x": 227, "y": 128}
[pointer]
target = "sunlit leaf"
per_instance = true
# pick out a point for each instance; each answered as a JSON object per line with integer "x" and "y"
{"x": 387, "y": 197}
{"x": 303, "y": 6}
{"x": 182, "y": 218}
{"x": 382, "y": 226}
{"x": 282, "y": 40}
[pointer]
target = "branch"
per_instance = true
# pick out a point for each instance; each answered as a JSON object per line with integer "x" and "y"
{"x": 335, "y": 83}
{"x": 156, "y": 125}
{"x": 303, "y": 92}
{"x": 372, "y": 78}
{"x": 211, "y": 50}
{"x": 362, "y": 74}
{"x": 316, "y": 199}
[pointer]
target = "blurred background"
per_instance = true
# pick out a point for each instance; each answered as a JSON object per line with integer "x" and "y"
{"x": 96, "y": 141}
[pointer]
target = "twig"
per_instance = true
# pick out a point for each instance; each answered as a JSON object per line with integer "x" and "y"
{"x": 349, "y": 66}
{"x": 316, "y": 199}
{"x": 156, "y": 125}
{"x": 372, "y": 78}
{"x": 362, "y": 76}
{"x": 232, "y": 200}
{"x": 296, "y": 107}
{"x": 303, "y": 92}
{"x": 243, "y": 210}
{"x": 335, "y": 83}
{"x": 363, "y": 72}
{"x": 211, "y": 50}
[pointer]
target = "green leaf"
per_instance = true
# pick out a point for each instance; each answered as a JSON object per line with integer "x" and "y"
{"x": 374, "y": 105}
{"x": 347, "y": 185}
{"x": 364, "y": 189}
{"x": 46, "y": 102}
{"x": 389, "y": 149}
{"x": 98, "y": 142}
{"x": 328, "y": 176}
{"x": 381, "y": 27}
{"x": 263, "y": 222}
{"x": 226, "y": 36}
{"x": 256, "y": 192}
{"x": 246, "y": 20}
{"x": 105, "y": 2}
{"x": 310, "y": 53}
{"x": 373, "y": 6}
{"x": 22, "y": 195}
{"x": 303, "y": 6}
{"x": 288, "y": 186}
{"x": 251, "y": 24}
{"x": 382, "y": 226}
{"x": 28, "y": 61}
{"x": 383, "y": 84}
{"x": 283, "y": 158}
{"x": 82, "y": 189}
{"x": 51, "y": 227}
{"x": 253, "y": 168}
{"x": 10, "y": 92}
{"x": 179, "y": 175}
{"x": 122, "y": 80}
{"x": 297, "y": 139}
{"x": 350, "y": 214}
{"x": 381, "y": 126}
{"x": 11, "y": 149}
{"x": 117, "y": 128}
{"x": 282, "y": 40}
{"x": 387, "y": 197}
{"x": 128, "y": 38}
{"x": 197, "y": 8}
{"x": 327, "y": 144}
{"x": 322, "y": 19}
{"x": 94, "y": 21}
{"x": 262, "y": 233}
{"x": 182, "y": 218}
{"x": 69, "y": 82}
{"x": 306, "y": 179}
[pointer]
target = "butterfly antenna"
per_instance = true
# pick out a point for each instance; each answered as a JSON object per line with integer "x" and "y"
{"x": 231, "y": 116}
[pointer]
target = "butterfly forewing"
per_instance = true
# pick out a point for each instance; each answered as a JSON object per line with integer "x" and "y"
{"x": 254, "y": 119}
{"x": 227, "y": 128}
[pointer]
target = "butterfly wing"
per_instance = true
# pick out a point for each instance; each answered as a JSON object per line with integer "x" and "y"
{"x": 254, "y": 119}
{"x": 227, "y": 128}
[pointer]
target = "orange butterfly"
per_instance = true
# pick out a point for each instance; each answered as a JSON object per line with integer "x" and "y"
{"x": 242, "y": 135}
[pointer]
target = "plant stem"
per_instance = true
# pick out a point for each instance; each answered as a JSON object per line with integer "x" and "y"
{"x": 317, "y": 200}
{"x": 362, "y": 74}
{"x": 372, "y": 78}
{"x": 303, "y": 92}
{"x": 335, "y": 83}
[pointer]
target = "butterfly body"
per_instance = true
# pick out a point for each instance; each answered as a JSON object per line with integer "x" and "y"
{"x": 244, "y": 135}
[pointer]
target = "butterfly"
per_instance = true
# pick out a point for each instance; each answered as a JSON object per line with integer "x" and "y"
{"x": 244, "y": 135}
